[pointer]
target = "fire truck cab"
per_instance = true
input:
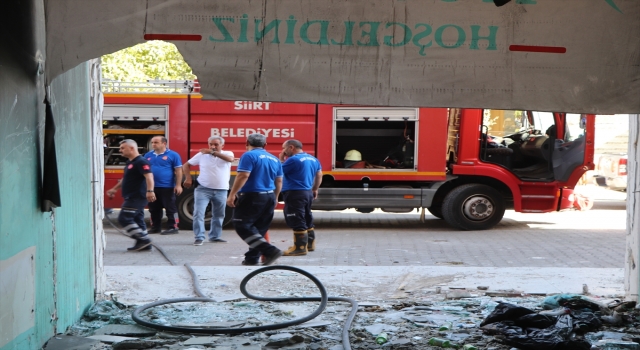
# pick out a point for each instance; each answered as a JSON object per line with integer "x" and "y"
{"x": 465, "y": 166}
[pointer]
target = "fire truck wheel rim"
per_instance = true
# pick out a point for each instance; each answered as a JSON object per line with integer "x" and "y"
{"x": 477, "y": 207}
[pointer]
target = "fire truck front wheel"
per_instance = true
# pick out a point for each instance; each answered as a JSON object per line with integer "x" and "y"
{"x": 436, "y": 210}
{"x": 473, "y": 207}
{"x": 185, "y": 212}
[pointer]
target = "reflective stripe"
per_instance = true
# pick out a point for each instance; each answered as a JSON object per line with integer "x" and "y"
{"x": 133, "y": 229}
{"x": 254, "y": 240}
{"x": 257, "y": 243}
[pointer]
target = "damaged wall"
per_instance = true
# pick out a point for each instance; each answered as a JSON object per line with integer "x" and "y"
{"x": 74, "y": 229}
{"x": 632, "y": 254}
{"x": 46, "y": 259}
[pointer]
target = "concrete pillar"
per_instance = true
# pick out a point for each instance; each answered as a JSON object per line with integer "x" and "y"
{"x": 97, "y": 164}
{"x": 632, "y": 253}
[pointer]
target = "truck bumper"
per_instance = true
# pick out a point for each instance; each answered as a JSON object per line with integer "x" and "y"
{"x": 567, "y": 198}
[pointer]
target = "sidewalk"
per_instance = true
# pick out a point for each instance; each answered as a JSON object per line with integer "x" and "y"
{"x": 142, "y": 284}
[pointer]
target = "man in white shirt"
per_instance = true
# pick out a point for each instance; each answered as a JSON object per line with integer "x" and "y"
{"x": 213, "y": 185}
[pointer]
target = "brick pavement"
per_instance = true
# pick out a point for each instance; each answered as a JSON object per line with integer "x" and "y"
{"x": 592, "y": 239}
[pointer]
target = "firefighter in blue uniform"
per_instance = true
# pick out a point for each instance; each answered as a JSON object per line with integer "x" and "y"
{"x": 254, "y": 197}
{"x": 302, "y": 178}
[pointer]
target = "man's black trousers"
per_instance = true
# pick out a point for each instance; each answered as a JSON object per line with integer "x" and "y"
{"x": 165, "y": 199}
{"x": 131, "y": 217}
{"x": 252, "y": 217}
{"x": 297, "y": 209}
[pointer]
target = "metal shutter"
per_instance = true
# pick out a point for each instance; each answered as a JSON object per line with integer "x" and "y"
{"x": 130, "y": 112}
{"x": 375, "y": 114}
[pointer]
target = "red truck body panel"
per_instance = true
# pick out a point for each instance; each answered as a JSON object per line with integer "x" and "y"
{"x": 191, "y": 121}
{"x": 235, "y": 120}
{"x": 176, "y": 130}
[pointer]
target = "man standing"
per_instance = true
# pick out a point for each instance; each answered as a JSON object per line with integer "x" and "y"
{"x": 137, "y": 189}
{"x": 166, "y": 166}
{"x": 215, "y": 171}
{"x": 254, "y": 195}
{"x": 302, "y": 178}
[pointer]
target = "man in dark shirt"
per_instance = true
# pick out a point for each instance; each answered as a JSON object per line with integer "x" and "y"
{"x": 254, "y": 196}
{"x": 137, "y": 190}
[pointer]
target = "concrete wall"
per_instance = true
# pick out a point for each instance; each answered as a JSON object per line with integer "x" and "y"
{"x": 46, "y": 259}
{"x": 632, "y": 253}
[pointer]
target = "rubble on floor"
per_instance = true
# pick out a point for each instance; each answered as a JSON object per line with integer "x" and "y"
{"x": 478, "y": 318}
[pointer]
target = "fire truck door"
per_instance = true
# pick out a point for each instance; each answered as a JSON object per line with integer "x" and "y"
{"x": 569, "y": 149}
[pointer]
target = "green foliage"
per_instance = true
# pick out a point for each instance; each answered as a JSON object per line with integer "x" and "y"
{"x": 153, "y": 60}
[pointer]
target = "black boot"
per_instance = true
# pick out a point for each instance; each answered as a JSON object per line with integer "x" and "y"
{"x": 141, "y": 244}
{"x": 311, "y": 243}
{"x": 299, "y": 247}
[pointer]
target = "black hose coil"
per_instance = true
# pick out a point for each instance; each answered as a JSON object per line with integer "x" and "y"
{"x": 323, "y": 299}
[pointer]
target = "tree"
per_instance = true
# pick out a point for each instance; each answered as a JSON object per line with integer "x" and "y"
{"x": 153, "y": 60}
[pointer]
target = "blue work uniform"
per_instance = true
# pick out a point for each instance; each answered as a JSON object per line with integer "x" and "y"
{"x": 299, "y": 174}
{"x": 255, "y": 202}
{"x": 163, "y": 167}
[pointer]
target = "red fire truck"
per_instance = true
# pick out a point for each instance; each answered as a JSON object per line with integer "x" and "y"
{"x": 465, "y": 166}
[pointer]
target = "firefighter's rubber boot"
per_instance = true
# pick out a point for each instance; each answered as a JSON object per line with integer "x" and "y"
{"x": 266, "y": 238}
{"x": 311, "y": 243}
{"x": 299, "y": 244}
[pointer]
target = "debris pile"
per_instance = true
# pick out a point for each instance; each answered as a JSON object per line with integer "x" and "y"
{"x": 567, "y": 323}
{"x": 463, "y": 319}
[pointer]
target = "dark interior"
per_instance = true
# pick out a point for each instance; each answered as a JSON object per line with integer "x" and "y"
{"x": 527, "y": 154}
{"x": 376, "y": 141}
{"x": 112, "y": 141}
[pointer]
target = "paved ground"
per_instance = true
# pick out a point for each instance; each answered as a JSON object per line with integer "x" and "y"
{"x": 383, "y": 256}
{"x": 573, "y": 239}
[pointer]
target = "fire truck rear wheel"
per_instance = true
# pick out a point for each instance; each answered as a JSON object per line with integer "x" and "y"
{"x": 473, "y": 207}
{"x": 185, "y": 212}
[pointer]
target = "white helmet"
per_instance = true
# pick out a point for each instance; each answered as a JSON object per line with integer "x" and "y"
{"x": 353, "y": 155}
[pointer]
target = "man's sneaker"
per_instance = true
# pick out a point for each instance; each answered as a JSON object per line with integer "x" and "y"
{"x": 248, "y": 263}
{"x": 154, "y": 230}
{"x": 272, "y": 258}
{"x": 197, "y": 242}
{"x": 141, "y": 244}
{"x": 217, "y": 240}
{"x": 171, "y": 231}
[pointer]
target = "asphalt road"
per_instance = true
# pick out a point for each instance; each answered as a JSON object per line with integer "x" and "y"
{"x": 589, "y": 239}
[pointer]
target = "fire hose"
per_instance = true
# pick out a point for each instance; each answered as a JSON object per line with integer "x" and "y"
{"x": 323, "y": 299}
